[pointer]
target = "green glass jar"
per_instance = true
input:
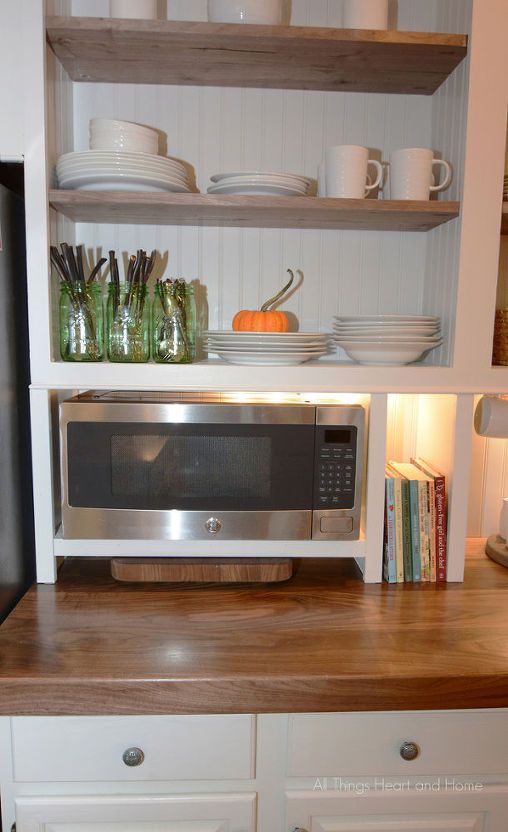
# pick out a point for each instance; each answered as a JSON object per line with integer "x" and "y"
{"x": 190, "y": 315}
{"x": 81, "y": 322}
{"x": 128, "y": 323}
{"x": 173, "y": 323}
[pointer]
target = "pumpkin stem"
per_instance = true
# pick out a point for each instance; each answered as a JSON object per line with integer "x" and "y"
{"x": 280, "y": 294}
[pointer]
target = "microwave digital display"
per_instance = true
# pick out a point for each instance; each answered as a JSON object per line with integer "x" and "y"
{"x": 337, "y": 437}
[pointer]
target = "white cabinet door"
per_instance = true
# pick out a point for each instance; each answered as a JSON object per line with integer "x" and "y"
{"x": 449, "y": 810}
{"x": 150, "y": 813}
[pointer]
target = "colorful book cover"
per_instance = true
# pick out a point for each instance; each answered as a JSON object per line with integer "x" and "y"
{"x": 414, "y": 514}
{"x": 406, "y": 531}
{"x": 432, "y": 515}
{"x": 399, "y": 542}
{"x": 441, "y": 511}
{"x": 390, "y": 551}
{"x": 424, "y": 520}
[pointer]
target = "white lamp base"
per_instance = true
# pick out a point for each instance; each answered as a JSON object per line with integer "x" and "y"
{"x": 496, "y": 549}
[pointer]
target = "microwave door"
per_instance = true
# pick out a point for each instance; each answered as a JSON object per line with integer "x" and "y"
{"x": 188, "y": 481}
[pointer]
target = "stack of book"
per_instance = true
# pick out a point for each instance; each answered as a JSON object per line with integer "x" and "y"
{"x": 415, "y": 522}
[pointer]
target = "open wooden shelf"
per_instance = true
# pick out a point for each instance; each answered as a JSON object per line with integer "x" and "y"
{"x": 283, "y": 57}
{"x": 504, "y": 219}
{"x": 140, "y": 208}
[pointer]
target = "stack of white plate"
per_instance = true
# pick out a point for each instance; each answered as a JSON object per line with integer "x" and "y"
{"x": 112, "y": 134}
{"x": 266, "y": 347}
{"x": 260, "y": 183}
{"x": 109, "y": 170}
{"x": 387, "y": 339}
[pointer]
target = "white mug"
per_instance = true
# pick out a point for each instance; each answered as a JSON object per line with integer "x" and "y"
{"x": 491, "y": 417}
{"x": 139, "y": 9}
{"x": 267, "y": 12}
{"x": 346, "y": 171}
{"x": 411, "y": 172}
{"x": 366, "y": 14}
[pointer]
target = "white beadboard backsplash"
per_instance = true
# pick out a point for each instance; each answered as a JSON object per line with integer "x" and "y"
{"x": 221, "y": 129}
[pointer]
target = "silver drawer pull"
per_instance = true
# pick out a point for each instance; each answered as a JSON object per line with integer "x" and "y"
{"x": 133, "y": 756}
{"x": 409, "y": 751}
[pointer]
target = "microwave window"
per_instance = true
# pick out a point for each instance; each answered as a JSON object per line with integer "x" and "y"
{"x": 190, "y": 467}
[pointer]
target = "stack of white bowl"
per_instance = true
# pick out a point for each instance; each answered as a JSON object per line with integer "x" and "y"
{"x": 260, "y": 183}
{"x": 122, "y": 156}
{"x": 387, "y": 339}
{"x": 269, "y": 348}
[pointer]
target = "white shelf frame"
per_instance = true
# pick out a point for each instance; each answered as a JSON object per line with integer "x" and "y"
{"x": 470, "y": 371}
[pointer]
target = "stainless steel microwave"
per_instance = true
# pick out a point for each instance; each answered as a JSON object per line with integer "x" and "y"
{"x": 156, "y": 466}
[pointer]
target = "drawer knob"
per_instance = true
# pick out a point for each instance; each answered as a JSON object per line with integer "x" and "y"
{"x": 133, "y": 757}
{"x": 409, "y": 751}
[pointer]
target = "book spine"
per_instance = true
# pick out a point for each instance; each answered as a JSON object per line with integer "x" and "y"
{"x": 415, "y": 529}
{"x": 423, "y": 493}
{"x": 432, "y": 519}
{"x": 390, "y": 553}
{"x": 399, "y": 544}
{"x": 439, "y": 483}
{"x": 406, "y": 531}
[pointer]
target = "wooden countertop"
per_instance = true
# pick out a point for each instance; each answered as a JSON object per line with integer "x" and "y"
{"x": 322, "y": 642}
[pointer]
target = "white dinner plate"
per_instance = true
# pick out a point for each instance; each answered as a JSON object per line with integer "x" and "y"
{"x": 121, "y": 182}
{"x": 279, "y": 359}
{"x": 246, "y": 343}
{"x": 264, "y": 180}
{"x": 255, "y": 190}
{"x": 368, "y": 319}
{"x": 271, "y": 347}
{"x": 123, "y": 165}
{"x": 219, "y": 177}
{"x": 407, "y": 336}
{"x": 409, "y": 342}
{"x": 127, "y": 171}
{"x": 265, "y": 351}
{"x": 131, "y": 155}
{"x": 219, "y": 333}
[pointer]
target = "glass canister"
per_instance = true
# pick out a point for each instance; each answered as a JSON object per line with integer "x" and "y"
{"x": 128, "y": 323}
{"x": 191, "y": 318}
{"x": 81, "y": 322}
{"x": 173, "y": 323}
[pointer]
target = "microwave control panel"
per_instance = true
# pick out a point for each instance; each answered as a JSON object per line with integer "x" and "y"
{"x": 335, "y": 473}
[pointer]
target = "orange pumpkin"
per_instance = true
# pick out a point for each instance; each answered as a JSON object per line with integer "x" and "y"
{"x": 265, "y": 319}
{"x": 249, "y": 320}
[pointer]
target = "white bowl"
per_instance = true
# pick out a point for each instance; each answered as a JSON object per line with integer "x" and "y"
{"x": 124, "y": 142}
{"x": 102, "y": 124}
{"x": 109, "y": 134}
{"x": 383, "y": 354}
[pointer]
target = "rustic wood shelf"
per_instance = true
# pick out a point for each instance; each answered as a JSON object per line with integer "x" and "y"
{"x": 283, "y": 57}
{"x": 504, "y": 219}
{"x": 157, "y": 208}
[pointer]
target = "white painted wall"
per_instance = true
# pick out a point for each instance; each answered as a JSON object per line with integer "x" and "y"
{"x": 12, "y": 81}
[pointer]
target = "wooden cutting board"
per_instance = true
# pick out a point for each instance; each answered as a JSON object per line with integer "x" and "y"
{"x": 202, "y": 570}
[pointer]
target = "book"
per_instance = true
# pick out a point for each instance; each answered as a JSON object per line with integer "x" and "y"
{"x": 390, "y": 555}
{"x": 417, "y": 527}
{"x": 403, "y": 518}
{"x": 397, "y": 518}
{"x": 422, "y": 486}
{"x": 440, "y": 514}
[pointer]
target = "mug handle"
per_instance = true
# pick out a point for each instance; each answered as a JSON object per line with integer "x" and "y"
{"x": 377, "y": 181}
{"x": 448, "y": 175}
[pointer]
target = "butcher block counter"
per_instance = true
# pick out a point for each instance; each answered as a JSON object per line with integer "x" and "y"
{"x": 324, "y": 641}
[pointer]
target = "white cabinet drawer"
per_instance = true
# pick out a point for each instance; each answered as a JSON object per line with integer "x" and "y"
{"x": 174, "y": 747}
{"x": 359, "y": 744}
{"x": 157, "y": 813}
